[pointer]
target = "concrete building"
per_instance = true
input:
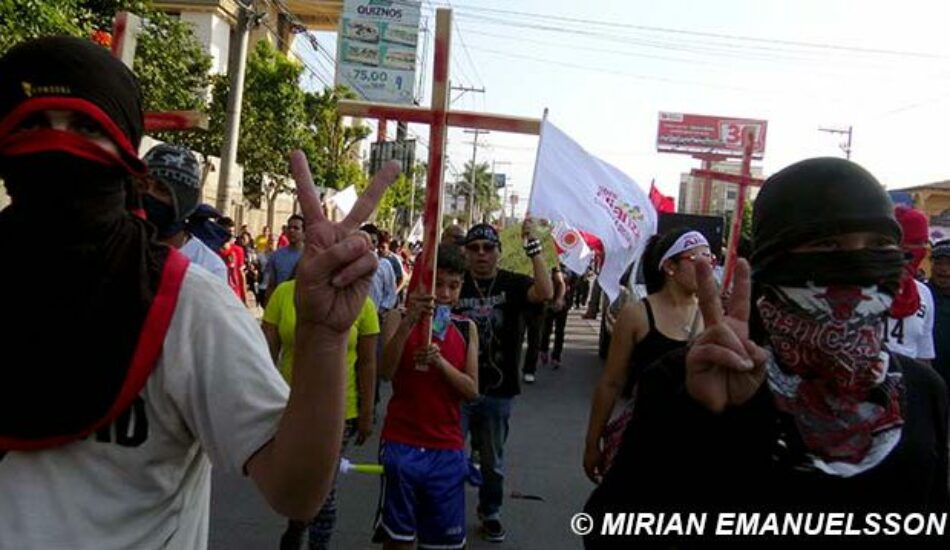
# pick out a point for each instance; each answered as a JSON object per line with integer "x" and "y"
{"x": 933, "y": 199}
{"x": 723, "y": 197}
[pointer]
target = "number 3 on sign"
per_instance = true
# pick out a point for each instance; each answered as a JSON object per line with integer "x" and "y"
{"x": 731, "y": 132}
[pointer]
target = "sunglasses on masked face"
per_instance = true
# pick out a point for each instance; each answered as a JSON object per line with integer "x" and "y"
{"x": 475, "y": 248}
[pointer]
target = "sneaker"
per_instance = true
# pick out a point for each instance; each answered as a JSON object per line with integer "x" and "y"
{"x": 529, "y": 378}
{"x": 543, "y": 358}
{"x": 493, "y": 531}
{"x": 555, "y": 364}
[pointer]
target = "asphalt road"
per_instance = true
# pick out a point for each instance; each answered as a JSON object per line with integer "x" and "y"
{"x": 543, "y": 458}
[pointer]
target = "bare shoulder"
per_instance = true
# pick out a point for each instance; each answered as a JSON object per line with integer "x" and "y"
{"x": 633, "y": 317}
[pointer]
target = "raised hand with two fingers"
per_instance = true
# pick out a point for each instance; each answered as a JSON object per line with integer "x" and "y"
{"x": 337, "y": 266}
{"x": 723, "y": 366}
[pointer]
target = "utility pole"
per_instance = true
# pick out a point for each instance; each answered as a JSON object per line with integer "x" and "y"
{"x": 846, "y": 146}
{"x": 464, "y": 89}
{"x": 471, "y": 181}
{"x": 237, "y": 63}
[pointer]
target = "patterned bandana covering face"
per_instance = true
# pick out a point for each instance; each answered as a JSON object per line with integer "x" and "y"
{"x": 830, "y": 373}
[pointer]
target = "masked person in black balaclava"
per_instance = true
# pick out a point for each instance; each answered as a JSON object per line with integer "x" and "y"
{"x": 789, "y": 402}
{"x": 127, "y": 369}
{"x": 170, "y": 194}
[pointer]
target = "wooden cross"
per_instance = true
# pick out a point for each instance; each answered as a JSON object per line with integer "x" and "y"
{"x": 439, "y": 118}
{"x": 744, "y": 180}
{"x": 125, "y": 29}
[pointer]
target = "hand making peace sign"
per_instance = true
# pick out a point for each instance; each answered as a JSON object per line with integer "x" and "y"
{"x": 723, "y": 367}
{"x": 337, "y": 265}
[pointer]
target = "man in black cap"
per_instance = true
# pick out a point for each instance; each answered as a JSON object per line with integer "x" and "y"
{"x": 940, "y": 287}
{"x": 171, "y": 193}
{"x": 789, "y": 402}
{"x": 496, "y": 300}
{"x": 135, "y": 369}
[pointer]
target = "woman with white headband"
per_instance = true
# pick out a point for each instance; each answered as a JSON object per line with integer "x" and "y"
{"x": 644, "y": 332}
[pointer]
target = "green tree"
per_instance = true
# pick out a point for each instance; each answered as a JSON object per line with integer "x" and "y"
{"x": 486, "y": 196}
{"x": 513, "y": 257}
{"x": 22, "y": 20}
{"x": 170, "y": 63}
{"x": 746, "y": 230}
{"x": 405, "y": 194}
{"x": 272, "y": 123}
{"x": 331, "y": 145}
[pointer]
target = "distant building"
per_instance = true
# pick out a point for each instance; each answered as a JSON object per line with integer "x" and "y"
{"x": 933, "y": 199}
{"x": 723, "y": 195}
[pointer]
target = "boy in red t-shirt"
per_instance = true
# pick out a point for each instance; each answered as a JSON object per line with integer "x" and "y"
{"x": 422, "y": 448}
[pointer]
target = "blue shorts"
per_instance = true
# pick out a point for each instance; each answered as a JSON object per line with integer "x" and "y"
{"x": 423, "y": 495}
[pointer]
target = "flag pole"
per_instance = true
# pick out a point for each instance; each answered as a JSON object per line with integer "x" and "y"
{"x": 537, "y": 157}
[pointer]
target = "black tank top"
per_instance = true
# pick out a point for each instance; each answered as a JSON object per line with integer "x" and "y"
{"x": 653, "y": 346}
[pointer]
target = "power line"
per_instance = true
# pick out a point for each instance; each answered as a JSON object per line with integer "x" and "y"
{"x": 707, "y": 49}
{"x": 702, "y": 62}
{"x": 289, "y": 47}
{"x": 603, "y": 70}
{"x": 706, "y": 34}
{"x": 465, "y": 49}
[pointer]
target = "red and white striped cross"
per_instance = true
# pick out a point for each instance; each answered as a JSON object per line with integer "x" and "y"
{"x": 439, "y": 118}
{"x": 125, "y": 30}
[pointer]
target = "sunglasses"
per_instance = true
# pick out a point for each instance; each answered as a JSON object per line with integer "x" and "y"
{"x": 475, "y": 248}
{"x": 710, "y": 257}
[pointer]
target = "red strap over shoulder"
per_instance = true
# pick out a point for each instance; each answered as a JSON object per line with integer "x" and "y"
{"x": 147, "y": 352}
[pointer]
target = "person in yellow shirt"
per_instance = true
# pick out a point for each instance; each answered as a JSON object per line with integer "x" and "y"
{"x": 279, "y": 325}
{"x": 264, "y": 239}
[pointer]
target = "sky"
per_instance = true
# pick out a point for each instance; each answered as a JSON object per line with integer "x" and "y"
{"x": 606, "y": 68}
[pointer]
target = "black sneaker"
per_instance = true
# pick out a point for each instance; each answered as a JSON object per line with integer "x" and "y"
{"x": 493, "y": 531}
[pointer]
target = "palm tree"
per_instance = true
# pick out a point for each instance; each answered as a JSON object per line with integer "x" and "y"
{"x": 486, "y": 196}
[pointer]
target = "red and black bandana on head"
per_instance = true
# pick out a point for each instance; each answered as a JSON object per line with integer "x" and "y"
{"x": 93, "y": 292}
{"x": 74, "y": 75}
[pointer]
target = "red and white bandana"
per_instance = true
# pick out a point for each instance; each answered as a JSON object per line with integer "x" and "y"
{"x": 828, "y": 370}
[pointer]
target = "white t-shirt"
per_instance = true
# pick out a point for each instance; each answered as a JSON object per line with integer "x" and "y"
{"x": 199, "y": 254}
{"x": 145, "y": 482}
{"x": 913, "y": 336}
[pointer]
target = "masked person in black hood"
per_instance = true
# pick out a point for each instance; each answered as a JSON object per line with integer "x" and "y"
{"x": 170, "y": 193}
{"x": 789, "y": 402}
{"x": 150, "y": 367}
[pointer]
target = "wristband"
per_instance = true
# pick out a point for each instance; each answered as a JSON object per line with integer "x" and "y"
{"x": 532, "y": 247}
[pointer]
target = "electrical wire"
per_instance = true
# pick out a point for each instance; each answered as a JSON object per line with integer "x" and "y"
{"x": 703, "y": 34}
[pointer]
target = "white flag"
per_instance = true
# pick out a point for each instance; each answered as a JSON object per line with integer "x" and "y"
{"x": 417, "y": 233}
{"x": 572, "y": 249}
{"x": 573, "y": 187}
{"x": 344, "y": 200}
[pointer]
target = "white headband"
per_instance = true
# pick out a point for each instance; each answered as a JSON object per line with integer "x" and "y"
{"x": 687, "y": 241}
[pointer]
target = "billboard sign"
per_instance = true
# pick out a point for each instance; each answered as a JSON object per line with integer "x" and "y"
{"x": 697, "y": 134}
{"x": 376, "y": 49}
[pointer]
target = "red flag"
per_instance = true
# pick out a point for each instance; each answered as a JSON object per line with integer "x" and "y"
{"x": 661, "y": 202}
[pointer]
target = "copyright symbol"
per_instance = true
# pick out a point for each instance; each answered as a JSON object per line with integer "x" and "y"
{"x": 582, "y": 524}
